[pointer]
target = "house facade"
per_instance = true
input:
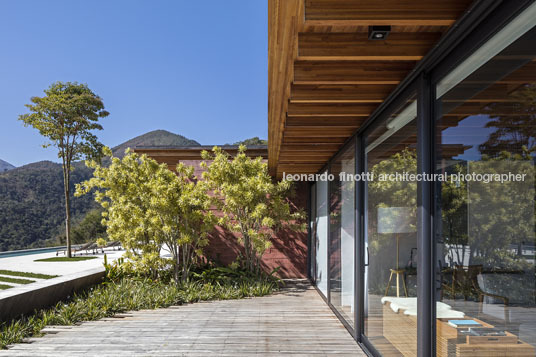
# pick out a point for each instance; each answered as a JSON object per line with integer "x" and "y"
{"x": 413, "y": 125}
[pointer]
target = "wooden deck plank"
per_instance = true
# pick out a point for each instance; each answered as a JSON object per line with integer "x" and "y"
{"x": 295, "y": 321}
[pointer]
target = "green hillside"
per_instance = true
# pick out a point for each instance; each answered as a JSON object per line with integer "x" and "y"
{"x": 31, "y": 196}
{"x": 154, "y": 138}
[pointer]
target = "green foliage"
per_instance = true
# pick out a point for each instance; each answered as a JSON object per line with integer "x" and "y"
{"x": 27, "y": 275}
{"x": 148, "y": 207}
{"x": 255, "y": 141}
{"x": 67, "y": 116}
{"x": 388, "y": 193}
{"x": 514, "y": 132}
{"x": 65, "y": 259}
{"x": 107, "y": 299}
{"x": 15, "y": 280}
{"x": 252, "y": 204}
{"x": 101, "y": 242}
{"x": 115, "y": 270}
{"x": 90, "y": 228}
{"x": 33, "y": 215}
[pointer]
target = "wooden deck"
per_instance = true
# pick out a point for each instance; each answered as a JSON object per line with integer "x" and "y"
{"x": 295, "y": 321}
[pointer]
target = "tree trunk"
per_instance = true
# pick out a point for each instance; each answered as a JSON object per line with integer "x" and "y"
{"x": 66, "y": 179}
{"x": 176, "y": 271}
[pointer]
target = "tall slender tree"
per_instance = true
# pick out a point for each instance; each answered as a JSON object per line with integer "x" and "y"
{"x": 67, "y": 116}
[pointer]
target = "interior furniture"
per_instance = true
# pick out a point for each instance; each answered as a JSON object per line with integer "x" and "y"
{"x": 400, "y": 329}
{"x": 396, "y": 220}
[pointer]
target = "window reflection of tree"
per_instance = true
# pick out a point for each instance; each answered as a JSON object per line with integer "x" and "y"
{"x": 501, "y": 220}
{"x": 389, "y": 193}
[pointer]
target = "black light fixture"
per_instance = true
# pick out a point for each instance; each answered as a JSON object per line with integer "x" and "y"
{"x": 378, "y": 32}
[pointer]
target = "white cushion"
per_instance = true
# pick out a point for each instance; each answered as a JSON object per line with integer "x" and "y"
{"x": 409, "y": 305}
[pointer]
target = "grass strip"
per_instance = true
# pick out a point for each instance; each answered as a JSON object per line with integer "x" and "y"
{"x": 16, "y": 281}
{"x": 64, "y": 259}
{"x": 4, "y": 287}
{"x": 27, "y": 275}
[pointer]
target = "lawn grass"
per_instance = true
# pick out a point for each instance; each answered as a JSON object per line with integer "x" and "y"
{"x": 4, "y": 287}
{"x": 27, "y": 275}
{"x": 16, "y": 281}
{"x": 64, "y": 259}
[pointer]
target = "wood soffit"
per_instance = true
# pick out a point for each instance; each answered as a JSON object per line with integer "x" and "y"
{"x": 325, "y": 77}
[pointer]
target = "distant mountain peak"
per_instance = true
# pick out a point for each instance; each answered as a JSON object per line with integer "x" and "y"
{"x": 5, "y": 166}
{"x": 154, "y": 138}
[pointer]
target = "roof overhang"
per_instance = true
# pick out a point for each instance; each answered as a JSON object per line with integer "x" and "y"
{"x": 326, "y": 77}
{"x": 173, "y": 155}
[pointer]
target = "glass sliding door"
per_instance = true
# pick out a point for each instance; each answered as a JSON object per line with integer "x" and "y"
{"x": 321, "y": 238}
{"x": 312, "y": 233}
{"x": 342, "y": 233}
{"x": 390, "y": 281}
{"x": 485, "y": 211}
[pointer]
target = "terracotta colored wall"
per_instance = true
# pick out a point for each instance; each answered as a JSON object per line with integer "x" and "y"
{"x": 289, "y": 249}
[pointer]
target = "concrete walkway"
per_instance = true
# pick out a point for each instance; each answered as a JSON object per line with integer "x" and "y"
{"x": 294, "y": 322}
{"x": 28, "y": 263}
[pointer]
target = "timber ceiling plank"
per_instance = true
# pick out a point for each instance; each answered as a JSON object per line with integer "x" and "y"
{"x": 326, "y": 77}
{"x": 331, "y": 109}
{"x": 357, "y": 47}
{"x": 340, "y": 93}
{"x": 385, "y": 12}
{"x": 285, "y": 17}
{"x": 350, "y": 72}
{"x": 351, "y": 121}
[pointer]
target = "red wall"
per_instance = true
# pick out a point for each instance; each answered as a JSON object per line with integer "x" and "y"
{"x": 288, "y": 251}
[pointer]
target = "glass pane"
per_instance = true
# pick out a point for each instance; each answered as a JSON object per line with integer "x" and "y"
{"x": 486, "y": 145}
{"x": 342, "y": 235}
{"x": 321, "y": 244}
{"x": 312, "y": 227}
{"x": 391, "y": 237}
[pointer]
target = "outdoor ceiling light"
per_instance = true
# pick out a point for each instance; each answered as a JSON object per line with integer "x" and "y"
{"x": 378, "y": 32}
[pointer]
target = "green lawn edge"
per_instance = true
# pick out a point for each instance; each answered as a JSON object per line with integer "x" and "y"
{"x": 64, "y": 259}
{"x": 15, "y": 280}
{"x": 27, "y": 275}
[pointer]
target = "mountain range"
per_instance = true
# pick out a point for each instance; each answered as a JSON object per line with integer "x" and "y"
{"x": 5, "y": 166}
{"x": 32, "y": 210}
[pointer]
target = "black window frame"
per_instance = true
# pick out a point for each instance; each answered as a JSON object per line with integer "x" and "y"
{"x": 475, "y": 27}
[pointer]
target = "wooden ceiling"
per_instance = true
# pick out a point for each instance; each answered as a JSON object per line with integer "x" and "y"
{"x": 326, "y": 77}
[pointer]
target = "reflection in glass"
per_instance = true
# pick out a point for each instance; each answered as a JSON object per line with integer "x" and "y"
{"x": 391, "y": 238}
{"x": 321, "y": 239}
{"x": 485, "y": 231}
{"x": 342, "y": 233}
{"x": 312, "y": 229}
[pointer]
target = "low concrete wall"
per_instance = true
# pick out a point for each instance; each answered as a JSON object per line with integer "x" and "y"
{"x": 24, "y": 299}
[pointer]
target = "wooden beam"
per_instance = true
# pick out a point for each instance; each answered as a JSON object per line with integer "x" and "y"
{"x": 339, "y": 93}
{"x": 352, "y": 121}
{"x": 308, "y": 147}
{"x": 331, "y": 109}
{"x": 406, "y": 46}
{"x": 313, "y": 140}
{"x": 349, "y": 72}
{"x": 385, "y": 12}
{"x": 319, "y": 132}
{"x": 285, "y": 17}
{"x": 300, "y": 168}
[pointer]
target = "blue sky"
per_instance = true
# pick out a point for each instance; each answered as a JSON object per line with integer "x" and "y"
{"x": 196, "y": 68}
